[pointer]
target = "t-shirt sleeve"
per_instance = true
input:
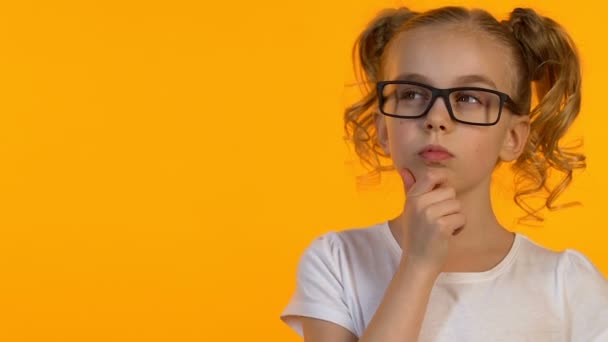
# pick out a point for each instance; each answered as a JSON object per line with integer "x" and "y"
{"x": 586, "y": 298}
{"x": 319, "y": 289}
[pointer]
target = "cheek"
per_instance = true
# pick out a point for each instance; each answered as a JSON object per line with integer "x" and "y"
{"x": 483, "y": 153}
{"x": 402, "y": 135}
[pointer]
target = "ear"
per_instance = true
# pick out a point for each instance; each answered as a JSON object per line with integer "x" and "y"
{"x": 516, "y": 138}
{"x": 382, "y": 132}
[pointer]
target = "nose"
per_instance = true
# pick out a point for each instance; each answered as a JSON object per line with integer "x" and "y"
{"x": 438, "y": 118}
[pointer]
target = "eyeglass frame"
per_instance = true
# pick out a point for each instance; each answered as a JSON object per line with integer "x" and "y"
{"x": 444, "y": 93}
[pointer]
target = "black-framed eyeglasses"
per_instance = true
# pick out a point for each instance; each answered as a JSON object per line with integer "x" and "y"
{"x": 469, "y": 105}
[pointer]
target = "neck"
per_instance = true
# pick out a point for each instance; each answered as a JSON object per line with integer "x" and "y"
{"x": 482, "y": 230}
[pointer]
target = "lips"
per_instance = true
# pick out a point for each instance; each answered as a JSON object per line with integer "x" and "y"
{"x": 435, "y": 153}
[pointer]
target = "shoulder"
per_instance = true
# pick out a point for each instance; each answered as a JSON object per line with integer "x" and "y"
{"x": 567, "y": 264}
{"x": 327, "y": 276}
{"x": 336, "y": 243}
{"x": 585, "y": 295}
{"x": 584, "y": 287}
{"x": 575, "y": 259}
{"x": 344, "y": 250}
{"x": 538, "y": 257}
{"x": 577, "y": 270}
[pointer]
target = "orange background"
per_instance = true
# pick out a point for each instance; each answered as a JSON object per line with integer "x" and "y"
{"x": 165, "y": 164}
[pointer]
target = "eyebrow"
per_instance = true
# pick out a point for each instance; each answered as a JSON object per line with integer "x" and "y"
{"x": 462, "y": 79}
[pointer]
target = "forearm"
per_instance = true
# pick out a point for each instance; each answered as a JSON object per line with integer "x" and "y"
{"x": 400, "y": 314}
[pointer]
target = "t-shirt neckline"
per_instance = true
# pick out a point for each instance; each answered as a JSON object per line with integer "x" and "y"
{"x": 461, "y": 277}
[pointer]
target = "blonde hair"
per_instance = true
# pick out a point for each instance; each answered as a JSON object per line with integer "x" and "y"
{"x": 544, "y": 55}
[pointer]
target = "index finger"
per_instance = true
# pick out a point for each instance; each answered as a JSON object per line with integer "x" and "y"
{"x": 429, "y": 181}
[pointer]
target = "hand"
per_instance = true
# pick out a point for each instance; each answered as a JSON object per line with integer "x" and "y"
{"x": 432, "y": 215}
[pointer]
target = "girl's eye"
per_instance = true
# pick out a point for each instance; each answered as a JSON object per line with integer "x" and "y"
{"x": 466, "y": 98}
{"x": 411, "y": 95}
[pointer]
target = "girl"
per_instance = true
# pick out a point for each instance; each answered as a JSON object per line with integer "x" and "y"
{"x": 451, "y": 101}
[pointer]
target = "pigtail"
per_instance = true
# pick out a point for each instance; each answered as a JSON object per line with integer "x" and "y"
{"x": 553, "y": 66}
{"x": 366, "y": 55}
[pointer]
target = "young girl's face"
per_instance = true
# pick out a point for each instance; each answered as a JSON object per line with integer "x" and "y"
{"x": 447, "y": 57}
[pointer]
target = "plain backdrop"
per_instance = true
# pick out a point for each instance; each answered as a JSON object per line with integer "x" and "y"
{"x": 165, "y": 164}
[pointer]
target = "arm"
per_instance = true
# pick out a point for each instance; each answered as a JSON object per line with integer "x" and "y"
{"x": 401, "y": 312}
{"x": 398, "y": 318}
{"x": 432, "y": 215}
{"x": 318, "y": 330}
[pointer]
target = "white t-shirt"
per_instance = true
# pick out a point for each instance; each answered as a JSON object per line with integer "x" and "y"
{"x": 533, "y": 294}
